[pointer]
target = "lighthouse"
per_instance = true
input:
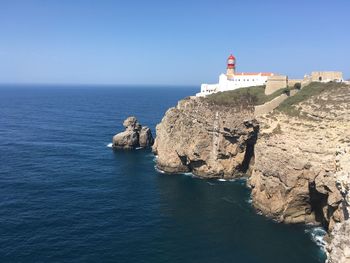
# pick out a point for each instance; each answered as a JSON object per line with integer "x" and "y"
{"x": 231, "y": 66}
{"x": 233, "y": 80}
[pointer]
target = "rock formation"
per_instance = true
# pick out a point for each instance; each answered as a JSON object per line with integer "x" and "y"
{"x": 294, "y": 178}
{"x": 299, "y": 159}
{"x": 205, "y": 139}
{"x": 134, "y": 135}
{"x": 338, "y": 250}
{"x": 302, "y": 167}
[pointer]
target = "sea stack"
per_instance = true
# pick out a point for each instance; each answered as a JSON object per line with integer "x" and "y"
{"x": 134, "y": 136}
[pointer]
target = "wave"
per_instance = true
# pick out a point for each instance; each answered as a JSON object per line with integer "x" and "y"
{"x": 110, "y": 145}
{"x": 249, "y": 200}
{"x": 317, "y": 235}
{"x": 159, "y": 170}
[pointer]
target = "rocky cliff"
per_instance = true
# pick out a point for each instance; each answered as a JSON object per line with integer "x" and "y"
{"x": 302, "y": 166}
{"x": 294, "y": 178}
{"x": 206, "y": 139}
{"x": 298, "y": 156}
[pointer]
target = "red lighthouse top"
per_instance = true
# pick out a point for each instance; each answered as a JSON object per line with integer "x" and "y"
{"x": 231, "y": 61}
{"x": 231, "y": 57}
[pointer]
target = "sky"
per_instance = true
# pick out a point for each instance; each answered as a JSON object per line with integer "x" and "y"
{"x": 161, "y": 42}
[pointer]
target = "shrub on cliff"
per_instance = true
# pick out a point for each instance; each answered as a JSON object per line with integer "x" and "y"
{"x": 313, "y": 89}
{"x": 243, "y": 97}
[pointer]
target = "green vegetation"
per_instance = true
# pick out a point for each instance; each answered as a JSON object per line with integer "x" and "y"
{"x": 244, "y": 96}
{"x": 313, "y": 89}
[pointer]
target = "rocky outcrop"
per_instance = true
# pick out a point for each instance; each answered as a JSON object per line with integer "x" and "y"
{"x": 206, "y": 139}
{"x": 294, "y": 179}
{"x": 338, "y": 250}
{"x": 298, "y": 161}
{"x": 134, "y": 136}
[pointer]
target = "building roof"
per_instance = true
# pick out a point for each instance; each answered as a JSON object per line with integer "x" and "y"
{"x": 253, "y": 74}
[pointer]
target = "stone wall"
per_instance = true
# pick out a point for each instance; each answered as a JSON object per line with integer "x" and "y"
{"x": 275, "y": 83}
{"x": 292, "y": 82}
{"x": 326, "y": 76}
{"x": 269, "y": 106}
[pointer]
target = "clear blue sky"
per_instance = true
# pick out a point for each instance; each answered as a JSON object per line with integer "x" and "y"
{"x": 168, "y": 42}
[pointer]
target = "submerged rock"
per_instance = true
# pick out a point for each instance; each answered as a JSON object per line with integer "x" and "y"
{"x": 134, "y": 135}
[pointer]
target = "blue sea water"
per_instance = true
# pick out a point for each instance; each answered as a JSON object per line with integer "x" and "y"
{"x": 66, "y": 197}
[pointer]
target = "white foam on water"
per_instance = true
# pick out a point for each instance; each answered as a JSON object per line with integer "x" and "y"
{"x": 158, "y": 170}
{"x": 138, "y": 148}
{"x": 222, "y": 180}
{"x": 192, "y": 175}
{"x": 110, "y": 145}
{"x": 317, "y": 235}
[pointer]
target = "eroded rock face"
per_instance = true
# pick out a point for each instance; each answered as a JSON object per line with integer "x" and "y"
{"x": 145, "y": 137}
{"x": 208, "y": 140}
{"x": 338, "y": 250}
{"x": 134, "y": 135}
{"x": 295, "y": 178}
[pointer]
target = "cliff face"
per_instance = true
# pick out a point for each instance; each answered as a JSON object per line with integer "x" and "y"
{"x": 298, "y": 159}
{"x": 206, "y": 139}
{"x": 295, "y": 176}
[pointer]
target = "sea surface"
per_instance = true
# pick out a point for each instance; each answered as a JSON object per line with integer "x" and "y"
{"x": 67, "y": 197}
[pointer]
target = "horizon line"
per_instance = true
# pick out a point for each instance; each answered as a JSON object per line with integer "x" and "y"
{"x": 96, "y": 84}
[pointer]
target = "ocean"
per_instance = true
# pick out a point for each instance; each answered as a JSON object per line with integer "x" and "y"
{"x": 67, "y": 197}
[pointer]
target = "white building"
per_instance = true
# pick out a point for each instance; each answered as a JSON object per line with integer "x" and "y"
{"x": 232, "y": 80}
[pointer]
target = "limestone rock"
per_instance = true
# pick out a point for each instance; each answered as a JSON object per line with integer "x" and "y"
{"x": 205, "y": 139}
{"x": 145, "y": 137}
{"x": 134, "y": 135}
{"x": 302, "y": 167}
{"x": 128, "y": 139}
{"x": 338, "y": 250}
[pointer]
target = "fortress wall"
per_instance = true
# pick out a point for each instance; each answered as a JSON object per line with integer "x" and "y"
{"x": 270, "y": 106}
{"x": 305, "y": 82}
{"x": 326, "y": 75}
{"x": 292, "y": 82}
{"x": 275, "y": 83}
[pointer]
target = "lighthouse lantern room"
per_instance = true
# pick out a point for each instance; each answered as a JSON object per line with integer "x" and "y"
{"x": 231, "y": 66}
